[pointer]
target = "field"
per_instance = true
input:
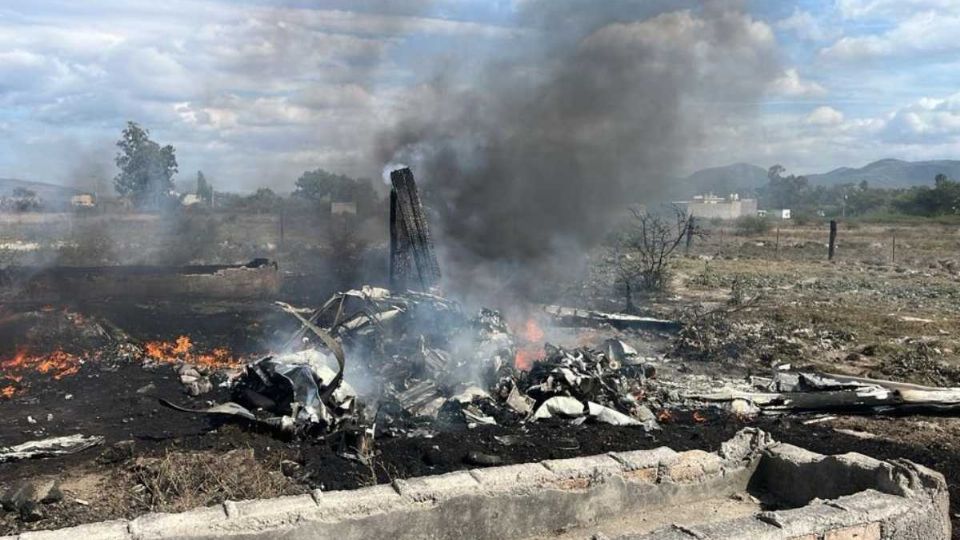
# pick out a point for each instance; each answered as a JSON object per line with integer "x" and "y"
{"x": 748, "y": 305}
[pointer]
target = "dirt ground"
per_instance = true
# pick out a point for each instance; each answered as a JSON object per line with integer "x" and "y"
{"x": 784, "y": 303}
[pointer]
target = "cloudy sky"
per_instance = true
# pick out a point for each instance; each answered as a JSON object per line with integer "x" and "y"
{"x": 253, "y": 92}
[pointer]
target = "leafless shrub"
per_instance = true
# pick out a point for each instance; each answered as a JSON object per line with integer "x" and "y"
{"x": 643, "y": 253}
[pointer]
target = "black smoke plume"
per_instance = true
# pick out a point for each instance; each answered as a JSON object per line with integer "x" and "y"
{"x": 528, "y": 157}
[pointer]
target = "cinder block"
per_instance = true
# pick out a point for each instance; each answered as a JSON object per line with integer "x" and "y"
{"x": 869, "y": 531}
{"x": 748, "y": 527}
{"x": 644, "y": 476}
{"x": 152, "y": 526}
{"x": 278, "y": 510}
{"x": 794, "y": 454}
{"x": 584, "y": 467}
{"x": 873, "y": 505}
{"x": 859, "y": 461}
{"x": 524, "y": 476}
{"x": 437, "y": 488}
{"x": 693, "y": 466}
{"x": 347, "y": 504}
{"x": 107, "y": 530}
{"x": 644, "y": 459}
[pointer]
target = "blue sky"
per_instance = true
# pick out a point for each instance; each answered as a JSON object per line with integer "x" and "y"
{"x": 255, "y": 92}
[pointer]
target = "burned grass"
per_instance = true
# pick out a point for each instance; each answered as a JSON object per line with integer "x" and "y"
{"x": 178, "y": 481}
{"x": 752, "y": 306}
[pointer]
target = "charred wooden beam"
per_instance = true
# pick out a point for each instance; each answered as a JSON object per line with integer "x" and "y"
{"x": 413, "y": 262}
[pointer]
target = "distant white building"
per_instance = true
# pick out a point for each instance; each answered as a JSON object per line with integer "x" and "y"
{"x": 711, "y": 206}
{"x": 83, "y": 200}
{"x": 343, "y": 208}
{"x": 190, "y": 199}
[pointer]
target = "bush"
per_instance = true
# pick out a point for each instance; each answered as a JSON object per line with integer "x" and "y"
{"x": 752, "y": 225}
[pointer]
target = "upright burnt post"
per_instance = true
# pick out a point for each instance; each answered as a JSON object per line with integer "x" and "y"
{"x": 413, "y": 263}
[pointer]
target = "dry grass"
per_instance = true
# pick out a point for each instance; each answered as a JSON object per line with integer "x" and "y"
{"x": 862, "y": 314}
{"x": 178, "y": 481}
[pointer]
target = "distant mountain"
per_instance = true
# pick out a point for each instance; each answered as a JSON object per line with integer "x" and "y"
{"x": 736, "y": 178}
{"x": 46, "y": 192}
{"x": 890, "y": 173}
{"x": 885, "y": 173}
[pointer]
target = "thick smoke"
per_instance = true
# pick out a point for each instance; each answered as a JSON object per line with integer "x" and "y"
{"x": 528, "y": 158}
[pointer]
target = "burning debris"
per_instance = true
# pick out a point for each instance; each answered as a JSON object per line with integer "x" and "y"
{"x": 182, "y": 351}
{"x": 56, "y": 343}
{"x": 424, "y": 364}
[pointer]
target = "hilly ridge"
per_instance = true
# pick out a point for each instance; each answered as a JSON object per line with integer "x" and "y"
{"x": 884, "y": 173}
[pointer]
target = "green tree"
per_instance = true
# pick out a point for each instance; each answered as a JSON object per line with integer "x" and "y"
{"x": 784, "y": 191}
{"x": 264, "y": 200}
{"x": 204, "y": 189}
{"x": 146, "y": 168}
{"x": 943, "y": 198}
{"x": 323, "y": 186}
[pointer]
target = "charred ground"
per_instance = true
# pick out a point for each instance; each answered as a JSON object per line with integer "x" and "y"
{"x": 861, "y": 315}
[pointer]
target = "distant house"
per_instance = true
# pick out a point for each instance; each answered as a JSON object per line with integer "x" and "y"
{"x": 710, "y": 206}
{"x": 343, "y": 208}
{"x": 190, "y": 199}
{"x": 83, "y": 200}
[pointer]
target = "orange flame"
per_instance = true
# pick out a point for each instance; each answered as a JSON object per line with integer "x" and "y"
{"x": 182, "y": 350}
{"x": 526, "y": 357}
{"x": 531, "y": 348}
{"x": 58, "y": 364}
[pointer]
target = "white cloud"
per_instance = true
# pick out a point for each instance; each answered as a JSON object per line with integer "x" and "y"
{"x": 918, "y": 36}
{"x": 927, "y": 121}
{"x": 854, "y": 9}
{"x": 789, "y": 84}
{"x": 236, "y": 87}
{"x": 824, "y": 116}
{"x": 807, "y": 26}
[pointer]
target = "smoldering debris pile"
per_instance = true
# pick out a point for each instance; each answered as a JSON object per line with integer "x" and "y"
{"x": 408, "y": 363}
{"x": 374, "y": 362}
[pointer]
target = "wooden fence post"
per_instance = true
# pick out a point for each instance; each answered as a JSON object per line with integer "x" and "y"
{"x": 777, "y": 251}
{"x": 893, "y": 249}
{"x": 833, "y": 239}
{"x": 690, "y": 225}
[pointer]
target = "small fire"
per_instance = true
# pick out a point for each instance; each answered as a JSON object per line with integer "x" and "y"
{"x": 532, "y": 331}
{"x": 58, "y": 364}
{"x": 698, "y": 417}
{"x": 182, "y": 350}
{"x": 530, "y": 348}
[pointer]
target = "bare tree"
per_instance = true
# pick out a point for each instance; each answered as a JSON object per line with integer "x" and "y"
{"x": 644, "y": 252}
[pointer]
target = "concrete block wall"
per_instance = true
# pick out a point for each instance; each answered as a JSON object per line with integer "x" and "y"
{"x": 518, "y": 501}
{"x": 843, "y": 497}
